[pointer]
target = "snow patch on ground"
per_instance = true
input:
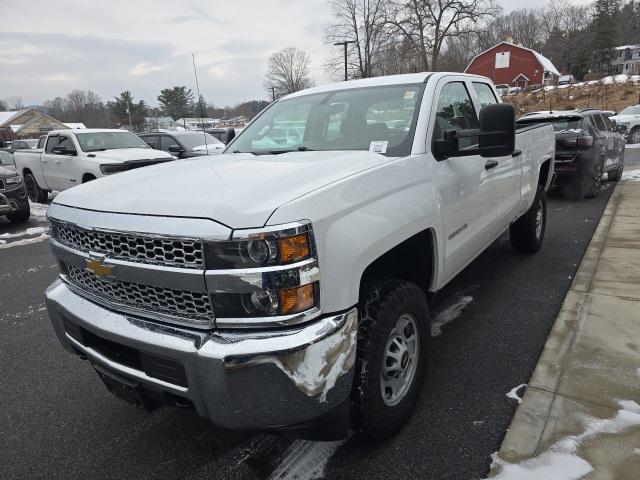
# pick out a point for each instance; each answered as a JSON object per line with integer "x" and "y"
{"x": 38, "y": 210}
{"x": 631, "y": 175}
{"x": 26, "y": 241}
{"x": 449, "y": 314}
{"x": 28, "y": 231}
{"x": 305, "y": 460}
{"x": 561, "y": 461}
{"x": 513, "y": 393}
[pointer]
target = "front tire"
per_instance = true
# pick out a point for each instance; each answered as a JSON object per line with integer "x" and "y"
{"x": 36, "y": 194}
{"x": 527, "y": 233}
{"x": 391, "y": 362}
{"x": 20, "y": 216}
{"x": 634, "y": 135}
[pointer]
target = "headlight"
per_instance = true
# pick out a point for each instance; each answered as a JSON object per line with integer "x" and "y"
{"x": 108, "y": 169}
{"x": 263, "y": 273}
{"x": 13, "y": 180}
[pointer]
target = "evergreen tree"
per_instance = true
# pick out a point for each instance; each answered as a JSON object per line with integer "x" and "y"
{"x": 124, "y": 107}
{"x": 606, "y": 12}
{"x": 177, "y": 102}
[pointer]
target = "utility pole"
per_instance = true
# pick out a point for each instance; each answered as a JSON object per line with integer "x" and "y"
{"x": 344, "y": 44}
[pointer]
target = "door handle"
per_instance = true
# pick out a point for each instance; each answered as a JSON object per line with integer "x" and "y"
{"x": 516, "y": 153}
{"x": 490, "y": 164}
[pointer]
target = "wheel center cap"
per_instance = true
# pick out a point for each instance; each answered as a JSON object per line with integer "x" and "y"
{"x": 405, "y": 360}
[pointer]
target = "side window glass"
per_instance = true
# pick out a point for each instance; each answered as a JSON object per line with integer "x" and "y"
{"x": 51, "y": 142}
{"x": 607, "y": 123}
{"x": 66, "y": 142}
{"x": 485, "y": 94}
{"x": 151, "y": 140}
{"x": 597, "y": 120}
{"x": 166, "y": 141}
{"x": 455, "y": 112}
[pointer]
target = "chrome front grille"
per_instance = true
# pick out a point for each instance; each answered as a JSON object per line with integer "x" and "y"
{"x": 193, "y": 307}
{"x": 131, "y": 247}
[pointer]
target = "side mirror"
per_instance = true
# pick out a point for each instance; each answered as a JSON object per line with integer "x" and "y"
{"x": 496, "y": 135}
{"x": 152, "y": 145}
{"x": 64, "y": 151}
{"x": 175, "y": 149}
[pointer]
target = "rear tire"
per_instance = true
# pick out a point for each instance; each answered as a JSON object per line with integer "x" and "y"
{"x": 634, "y": 135}
{"x": 391, "y": 362}
{"x": 20, "y": 216}
{"x": 36, "y": 194}
{"x": 616, "y": 175}
{"x": 527, "y": 233}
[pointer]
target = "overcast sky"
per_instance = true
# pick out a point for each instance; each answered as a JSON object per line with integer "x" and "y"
{"x": 52, "y": 47}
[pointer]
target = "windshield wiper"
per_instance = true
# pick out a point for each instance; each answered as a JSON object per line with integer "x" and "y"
{"x": 299, "y": 149}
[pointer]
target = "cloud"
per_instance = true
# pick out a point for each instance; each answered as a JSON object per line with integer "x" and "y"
{"x": 145, "y": 68}
{"x": 60, "y": 77}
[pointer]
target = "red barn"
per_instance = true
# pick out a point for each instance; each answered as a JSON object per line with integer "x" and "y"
{"x": 514, "y": 65}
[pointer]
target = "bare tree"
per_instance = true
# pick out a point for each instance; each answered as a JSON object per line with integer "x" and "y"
{"x": 427, "y": 24}
{"x": 57, "y": 108}
{"x": 363, "y": 23}
{"x": 288, "y": 72}
{"x": 14, "y": 103}
{"x": 3, "y": 106}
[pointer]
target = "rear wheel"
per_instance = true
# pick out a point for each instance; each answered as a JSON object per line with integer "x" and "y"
{"x": 36, "y": 194}
{"x": 393, "y": 338}
{"x": 634, "y": 135}
{"x": 594, "y": 180}
{"x": 527, "y": 233}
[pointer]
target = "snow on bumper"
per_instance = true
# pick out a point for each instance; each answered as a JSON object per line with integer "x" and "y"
{"x": 237, "y": 381}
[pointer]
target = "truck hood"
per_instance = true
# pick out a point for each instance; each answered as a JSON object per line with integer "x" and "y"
{"x": 237, "y": 190}
{"x": 121, "y": 155}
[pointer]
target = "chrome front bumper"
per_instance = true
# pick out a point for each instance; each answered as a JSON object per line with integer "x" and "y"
{"x": 240, "y": 380}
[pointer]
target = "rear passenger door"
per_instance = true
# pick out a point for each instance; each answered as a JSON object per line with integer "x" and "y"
{"x": 508, "y": 169}
{"x": 467, "y": 186}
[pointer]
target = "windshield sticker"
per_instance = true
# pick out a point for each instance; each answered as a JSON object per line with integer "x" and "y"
{"x": 378, "y": 147}
{"x": 409, "y": 94}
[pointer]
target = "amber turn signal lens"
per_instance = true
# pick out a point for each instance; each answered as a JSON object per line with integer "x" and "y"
{"x": 298, "y": 299}
{"x": 294, "y": 248}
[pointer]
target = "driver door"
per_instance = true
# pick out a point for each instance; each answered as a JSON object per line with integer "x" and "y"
{"x": 467, "y": 184}
{"x": 59, "y": 168}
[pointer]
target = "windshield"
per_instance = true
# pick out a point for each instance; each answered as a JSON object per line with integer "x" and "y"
{"x": 197, "y": 141}
{"x": 95, "y": 141}
{"x": 6, "y": 158}
{"x": 635, "y": 110}
{"x": 380, "y": 119}
{"x": 559, "y": 124}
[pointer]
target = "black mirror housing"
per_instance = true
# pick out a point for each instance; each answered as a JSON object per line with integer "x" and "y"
{"x": 496, "y": 135}
{"x": 175, "y": 149}
{"x": 497, "y": 130}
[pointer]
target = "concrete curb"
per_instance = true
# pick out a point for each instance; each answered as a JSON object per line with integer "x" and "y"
{"x": 543, "y": 413}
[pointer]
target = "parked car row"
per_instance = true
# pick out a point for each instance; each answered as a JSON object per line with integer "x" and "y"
{"x": 587, "y": 146}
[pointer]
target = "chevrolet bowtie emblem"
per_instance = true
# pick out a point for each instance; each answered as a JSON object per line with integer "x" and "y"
{"x": 99, "y": 269}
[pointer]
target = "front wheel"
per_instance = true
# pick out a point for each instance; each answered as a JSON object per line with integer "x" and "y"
{"x": 634, "y": 135}
{"x": 393, "y": 339}
{"x": 36, "y": 194}
{"x": 527, "y": 233}
{"x": 21, "y": 215}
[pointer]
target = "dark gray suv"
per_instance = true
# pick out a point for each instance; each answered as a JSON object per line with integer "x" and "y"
{"x": 184, "y": 144}
{"x": 586, "y": 148}
{"x": 13, "y": 194}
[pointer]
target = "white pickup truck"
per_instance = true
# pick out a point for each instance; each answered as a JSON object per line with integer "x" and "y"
{"x": 286, "y": 285}
{"x": 72, "y": 157}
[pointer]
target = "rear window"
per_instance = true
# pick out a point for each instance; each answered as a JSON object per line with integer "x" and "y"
{"x": 559, "y": 124}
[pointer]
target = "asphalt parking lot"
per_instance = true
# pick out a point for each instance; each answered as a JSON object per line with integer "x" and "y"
{"x": 58, "y": 421}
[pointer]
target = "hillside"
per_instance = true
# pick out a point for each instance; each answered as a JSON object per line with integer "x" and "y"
{"x": 610, "y": 93}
